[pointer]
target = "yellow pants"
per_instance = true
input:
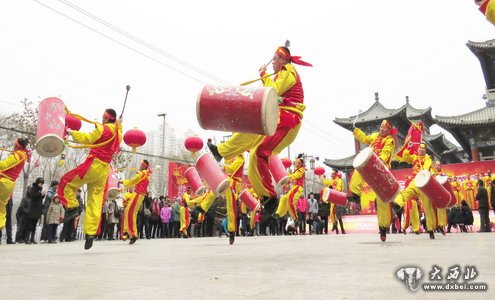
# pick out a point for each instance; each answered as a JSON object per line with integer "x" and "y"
{"x": 458, "y": 196}
{"x": 411, "y": 191}
{"x": 185, "y": 220}
{"x": 411, "y": 215}
{"x": 231, "y": 196}
{"x": 442, "y": 217}
{"x": 7, "y": 187}
{"x": 238, "y": 143}
{"x": 96, "y": 179}
{"x": 383, "y": 210}
{"x": 258, "y": 172}
{"x": 333, "y": 213}
{"x": 204, "y": 201}
{"x": 288, "y": 202}
{"x": 130, "y": 214}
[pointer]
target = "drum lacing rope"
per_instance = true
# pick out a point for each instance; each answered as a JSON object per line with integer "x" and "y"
{"x": 94, "y": 123}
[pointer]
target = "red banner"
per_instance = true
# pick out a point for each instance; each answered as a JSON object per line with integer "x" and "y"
{"x": 453, "y": 170}
{"x": 177, "y": 182}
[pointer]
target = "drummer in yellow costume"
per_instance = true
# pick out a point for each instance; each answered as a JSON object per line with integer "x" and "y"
{"x": 411, "y": 211}
{"x": 288, "y": 86}
{"x": 288, "y": 202}
{"x": 487, "y": 8}
{"x": 335, "y": 183}
{"x": 420, "y": 161}
{"x": 469, "y": 186}
{"x": 103, "y": 142}
{"x": 10, "y": 169}
{"x": 140, "y": 182}
{"x": 383, "y": 145}
{"x": 457, "y": 187}
{"x": 441, "y": 213}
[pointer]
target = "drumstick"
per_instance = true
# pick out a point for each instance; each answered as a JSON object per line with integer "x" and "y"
{"x": 355, "y": 119}
{"x": 254, "y": 80}
{"x": 128, "y": 87}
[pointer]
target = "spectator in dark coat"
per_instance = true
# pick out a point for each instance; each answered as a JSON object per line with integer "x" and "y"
{"x": 35, "y": 208}
{"x": 467, "y": 215}
{"x": 483, "y": 207}
{"x": 323, "y": 213}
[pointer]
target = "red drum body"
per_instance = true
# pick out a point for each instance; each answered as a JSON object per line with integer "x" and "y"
{"x": 429, "y": 186}
{"x": 238, "y": 109}
{"x": 51, "y": 127}
{"x": 278, "y": 170}
{"x": 249, "y": 201}
{"x": 335, "y": 197}
{"x": 444, "y": 181}
{"x": 377, "y": 175}
{"x": 113, "y": 184}
{"x": 208, "y": 169}
{"x": 195, "y": 181}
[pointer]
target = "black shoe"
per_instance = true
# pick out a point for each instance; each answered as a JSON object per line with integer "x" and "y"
{"x": 231, "y": 238}
{"x": 383, "y": 234}
{"x": 343, "y": 232}
{"x": 442, "y": 231}
{"x": 214, "y": 151}
{"x": 10, "y": 242}
{"x": 132, "y": 240}
{"x": 432, "y": 234}
{"x": 89, "y": 242}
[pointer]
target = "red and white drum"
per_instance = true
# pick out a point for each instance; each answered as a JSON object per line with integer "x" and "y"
{"x": 444, "y": 181}
{"x": 195, "y": 181}
{"x": 51, "y": 127}
{"x": 238, "y": 109}
{"x": 249, "y": 201}
{"x": 376, "y": 174}
{"x": 429, "y": 186}
{"x": 112, "y": 184}
{"x": 210, "y": 172}
{"x": 335, "y": 197}
{"x": 278, "y": 170}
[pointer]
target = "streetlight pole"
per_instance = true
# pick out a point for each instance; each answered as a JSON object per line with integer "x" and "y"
{"x": 163, "y": 153}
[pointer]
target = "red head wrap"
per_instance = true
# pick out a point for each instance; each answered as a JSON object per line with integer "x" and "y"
{"x": 106, "y": 115}
{"x": 282, "y": 52}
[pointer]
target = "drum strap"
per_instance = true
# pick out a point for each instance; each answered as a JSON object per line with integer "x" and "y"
{"x": 22, "y": 158}
{"x": 292, "y": 109}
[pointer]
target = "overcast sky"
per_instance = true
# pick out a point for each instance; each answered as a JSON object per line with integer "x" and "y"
{"x": 397, "y": 48}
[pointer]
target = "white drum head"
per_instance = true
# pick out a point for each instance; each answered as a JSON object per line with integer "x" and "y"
{"x": 442, "y": 179}
{"x": 282, "y": 182}
{"x": 269, "y": 111}
{"x": 50, "y": 145}
{"x": 326, "y": 194}
{"x": 222, "y": 187}
{"x": 422, "y": 178}
{"x": 362, "y": 158}
{"x": 200, "y": 191}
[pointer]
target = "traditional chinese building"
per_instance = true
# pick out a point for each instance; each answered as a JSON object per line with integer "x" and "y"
{"x": 475, "y": 131}
{"x": 369, "y": 121}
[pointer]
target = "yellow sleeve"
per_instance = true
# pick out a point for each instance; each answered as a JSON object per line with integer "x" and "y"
{"x": 408, "y": 157}
{"x": 428, "y": 163}
{"x": 297, "y": 174}
{"x": 10, "y": 161}
{"x": 133, "y": 181}
{"x": 362, "y": 137}
{"x": 388, "y": 149}
{"x": 339, "y": 185}
{"x": 490, "y": 12}
{"x": 326, "y": 182}
{"x": 234, "y": 166}
{"x": 88, "y": 138}
{"x": 286, "y": 79}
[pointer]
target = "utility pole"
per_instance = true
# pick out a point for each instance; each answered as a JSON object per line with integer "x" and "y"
{"x": 163, "y": 178}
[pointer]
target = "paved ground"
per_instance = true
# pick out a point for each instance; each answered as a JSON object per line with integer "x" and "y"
{"x": 291, "y": 267}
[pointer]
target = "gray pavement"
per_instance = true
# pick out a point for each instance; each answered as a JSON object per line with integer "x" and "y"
{"x": 352, "y": 266}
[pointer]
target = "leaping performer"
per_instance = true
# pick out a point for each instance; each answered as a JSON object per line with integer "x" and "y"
{"x": 287, "y": 84}
{"x": 288, "y": 202}
{"x": 383, "y": 144}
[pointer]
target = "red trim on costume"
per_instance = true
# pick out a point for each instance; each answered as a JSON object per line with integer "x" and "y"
{"x": 130, "y": 216}
{"x": 106, "y": 115}
{"x": 484, "y": 6}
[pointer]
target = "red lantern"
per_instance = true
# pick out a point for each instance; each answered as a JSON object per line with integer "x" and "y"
{"x": 72, "y": 122}
{"x": 286, "y": 162}
{"x": 134, "y": 138}
{"x": 319, "y": 171}
{"x": 193, "y": 144}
